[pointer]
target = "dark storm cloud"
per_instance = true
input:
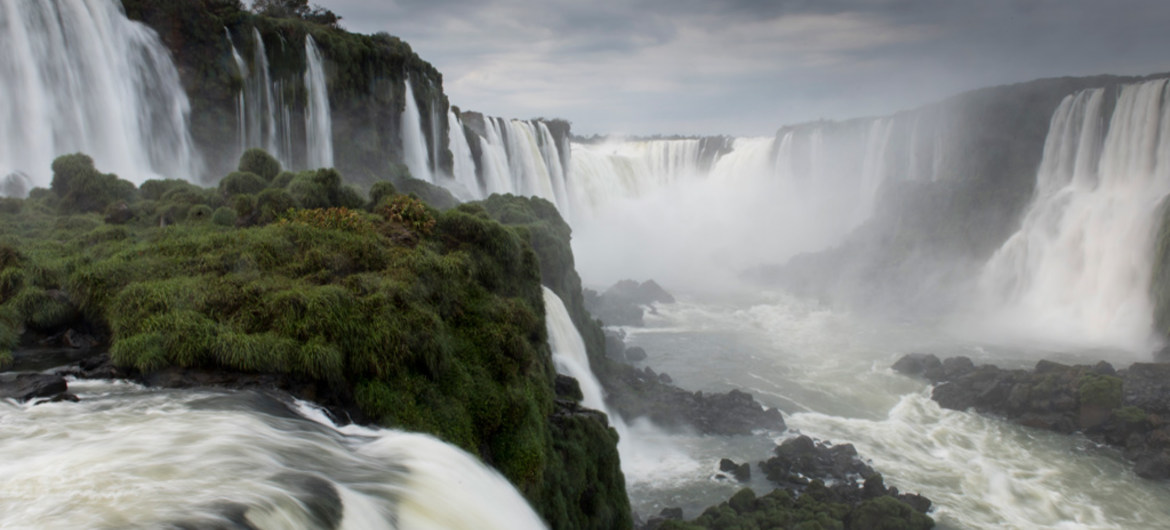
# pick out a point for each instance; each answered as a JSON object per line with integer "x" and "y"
{"x": 748, "y": 66}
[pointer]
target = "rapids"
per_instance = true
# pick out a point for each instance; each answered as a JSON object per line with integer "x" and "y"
{"x": 132, "y": 457}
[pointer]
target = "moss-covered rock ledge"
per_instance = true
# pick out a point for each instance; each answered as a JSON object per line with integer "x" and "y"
{"x": 419, "y": 319}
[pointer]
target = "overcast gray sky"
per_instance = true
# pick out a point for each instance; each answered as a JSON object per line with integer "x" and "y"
{"x": 746, "y": 67}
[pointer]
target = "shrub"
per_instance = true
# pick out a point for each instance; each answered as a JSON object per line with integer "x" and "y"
{"x": 272, "y": 203}
{"x": 224, "y": 216}
{"x": 380, "y": 191}
{"x": 409, "y": 212}
{"x": 241, "y": 182}
{"x": 199, "y": 213}
{"x": 259, "y": 162}
{"x": 81, "y": 188}
{"x": 330, "y": 219}
{"x": 283, "y": 179}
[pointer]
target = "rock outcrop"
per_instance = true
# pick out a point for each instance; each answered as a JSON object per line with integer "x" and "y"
{"x": 1128, "y": 409}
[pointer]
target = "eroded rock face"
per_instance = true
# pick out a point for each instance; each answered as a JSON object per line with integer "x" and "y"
{"x": 1123, "y": 408}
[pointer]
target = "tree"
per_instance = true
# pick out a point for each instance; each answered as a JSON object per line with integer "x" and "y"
{"x": 296, "y": 9}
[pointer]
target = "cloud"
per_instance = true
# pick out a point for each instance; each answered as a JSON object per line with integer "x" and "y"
{"x": 749, "y": 66}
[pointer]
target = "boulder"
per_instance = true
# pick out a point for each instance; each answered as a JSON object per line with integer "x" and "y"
{"x": 916, "y": 363}
{"x": 741, "y": 472}
{"x": 23, "y": 387}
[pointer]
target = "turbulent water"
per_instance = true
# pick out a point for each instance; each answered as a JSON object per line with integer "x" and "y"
{"x": 77, "y": 76}
{"x": 829, "y": 372}
{"x": 131, "y": 457}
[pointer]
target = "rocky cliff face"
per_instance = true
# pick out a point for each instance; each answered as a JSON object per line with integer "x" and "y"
{"x": 366, "y": 76}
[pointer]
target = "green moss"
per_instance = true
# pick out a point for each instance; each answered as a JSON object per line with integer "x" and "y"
{"x": 1130, "y": 414}
{"x": 1099, "y": 390}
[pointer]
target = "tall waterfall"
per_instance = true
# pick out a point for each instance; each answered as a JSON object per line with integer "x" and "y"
{"x": 318, "y": 121}
{"x": 670, "y": 210}
{"x": 132, "y": 457}
{"x": 521, "y": 157}
{"x": 265, "y": 115}
{"x": 1078, "y": 270}
{"x": 414, "y": 143}
{"x": 78, "y": 76}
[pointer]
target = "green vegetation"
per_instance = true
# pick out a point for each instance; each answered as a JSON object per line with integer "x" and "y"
{"x": 428, "y": 321}
{"x": 1099, "y": 390}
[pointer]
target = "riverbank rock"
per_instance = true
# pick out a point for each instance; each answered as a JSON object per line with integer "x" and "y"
{"x": 637, "y": 393}
{"x": 1127, "y": 409}
{"x": 25, "y": 387}
{"x": 623, "y": 304}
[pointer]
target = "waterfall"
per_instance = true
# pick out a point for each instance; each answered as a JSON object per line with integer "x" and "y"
{"x": 414, "y": 143}
{"x": 569, "y": 354}
{"x": 318, "y": 120}
{"x": 1078, "y": 269}
{"x": 78, "y": 76}
{"x": 463, "y": 163}
{"x": 132, "y": 457}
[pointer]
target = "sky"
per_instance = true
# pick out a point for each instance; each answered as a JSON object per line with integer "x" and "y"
{"x": 748, "y": 67}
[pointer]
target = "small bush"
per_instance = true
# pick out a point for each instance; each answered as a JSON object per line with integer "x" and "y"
{"x": 379, "y": 192}
{"x": 224, "y": 216}
{"x": 241, "y": 182}
{"x": 261, "y": 163}
{"x": 200, "y": 213}
{"x": 409, "y": 212}
{"x": 330, "y": 219}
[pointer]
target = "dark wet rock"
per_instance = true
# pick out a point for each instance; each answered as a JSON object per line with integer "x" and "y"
{"x": 800, "y": 460}
{"x": 917, "y": 363}
{"x": 623, "y": 304}
{"x": 615, "y": 347}
{"x": 637, "y": 393}
{"x": 656, "y": 522}
{"x": 568, "y": 388}
{"x": 665, "y": 378}
{"x": 1122, "y": 408}
{"x": 23, "y": 387}
{"x": 62, "y": 397}
{"x": 741, "y": 472}
{"x": 635, "y": 354}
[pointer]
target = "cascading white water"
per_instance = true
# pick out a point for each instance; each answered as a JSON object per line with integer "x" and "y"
{"x": 414, "y": 144}
{"x": 318, "y": 119}
{"x": 78, "y": 76}
{"x": 569, "y": 353}
{"x": 1078, "y": 270}
{"x": 648, "y": 454}
{"x": 265, "y": 110}
{"x": 462, "y": 163}
{"x": 132, "y": 457}
{"x": 655, "y": 209}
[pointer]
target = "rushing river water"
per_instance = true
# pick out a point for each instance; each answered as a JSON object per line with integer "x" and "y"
{"x": 131, "y": 457}
{"x": 829, "y": 372}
